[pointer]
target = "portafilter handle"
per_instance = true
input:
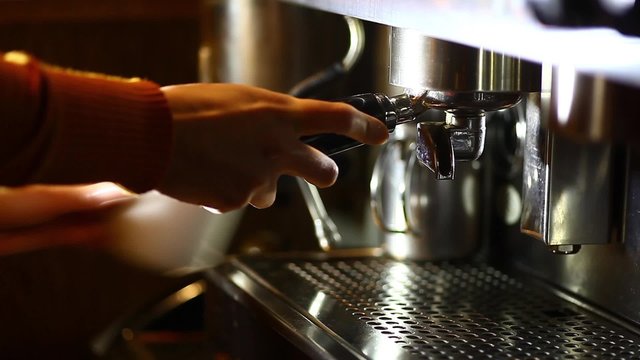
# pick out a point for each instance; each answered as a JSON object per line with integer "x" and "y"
{"x": 392, "y": 111}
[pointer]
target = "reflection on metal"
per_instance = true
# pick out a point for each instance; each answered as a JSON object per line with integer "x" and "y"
{"x": 374, "y": 350}
{"x": 420, "y": 62}
{"x": 592, "y": 108}
{"x": 356, "y": 43}
{"x": 505, "y": 26}
{"x": 325, "y": 229}
{"x": 435, "y": 151}
{"x": 509, "y": 204}
{"x": 188, "y": 292}
{"x": 535, "y": 173}
{"x": 311, "y": 84}
{"x": 465, "y": 82}
{"x": 460, "y": 138}
{"x": 317, "y": 304}
{"x": 376, "y": 308}
{"x": 124, "y": 328}
{"x": 387, "y": 184}
{"x": 266, "y": 43}
{"x": 567, "y": 188}
{"x": 423, "y": 218}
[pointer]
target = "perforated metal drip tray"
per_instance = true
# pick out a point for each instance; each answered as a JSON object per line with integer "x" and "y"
{"x": 377, "y": 308}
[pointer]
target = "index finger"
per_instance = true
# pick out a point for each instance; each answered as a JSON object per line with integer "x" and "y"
{"x": 323, "y": 117}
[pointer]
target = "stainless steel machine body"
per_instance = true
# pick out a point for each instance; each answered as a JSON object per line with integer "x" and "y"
{"x": 464, "y": 81}
{"x": 551, "y": 232}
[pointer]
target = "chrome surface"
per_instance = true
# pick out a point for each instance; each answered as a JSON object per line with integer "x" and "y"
{"x": 535, "y": 188}
{"x": 387, "y": 185}
{"x": 312, "y": 83}
{"x": 468, "y": 131}
{"x": 125, "y": 326}
{"x": 269, "y": 43}
{"x": 420, "y": 217}
{"x": 460, "y": 138}
{"x": 508, "y": 27}
{"x": 434, "y": 149}
{"x": 454, "y": 101}
{"x": 592, "y": 108}
{"x": 356, "y": 43}
{"x": 567, "y": 188}
{"x": 569, "y": 198}
{"x": 607, "y": 276}
{"x": 325, "y": 229}
{"x": 463, "y": 81}
{"x": 597, "y": 207}
{"x": 581, "y": 183}
{"x": 420, "y": 62}
{"x": 405, "y": 108}
{"x": 376, "y": 308}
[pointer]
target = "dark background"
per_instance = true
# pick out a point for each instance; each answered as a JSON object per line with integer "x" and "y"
{"x": 54, "y": 301}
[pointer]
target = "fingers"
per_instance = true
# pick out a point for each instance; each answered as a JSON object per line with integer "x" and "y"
{"x": 310, "y": 164}
{"x": 265, "y": 196}
{"x": 303, "y": 161}
{"x": 35, "y": 204}
{"x": 320, "y": 117}
{"x": 212, "y": 122}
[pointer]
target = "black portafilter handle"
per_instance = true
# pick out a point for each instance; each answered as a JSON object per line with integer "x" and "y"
{"x": 389, "y": 110}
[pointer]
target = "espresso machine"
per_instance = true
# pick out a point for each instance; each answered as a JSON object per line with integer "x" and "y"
{"x": 506, "y": 199}
{"x": 506, "y": 202}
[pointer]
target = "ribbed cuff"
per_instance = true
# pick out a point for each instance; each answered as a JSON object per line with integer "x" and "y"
{"x": 21, "y": 118}
{"x": 105, "y": 129}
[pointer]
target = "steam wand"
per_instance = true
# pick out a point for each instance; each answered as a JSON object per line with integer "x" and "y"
{"x": 326, "y": 230}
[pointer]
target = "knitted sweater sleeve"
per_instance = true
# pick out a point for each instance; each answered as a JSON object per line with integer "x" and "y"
{"x": 65, "y": 127}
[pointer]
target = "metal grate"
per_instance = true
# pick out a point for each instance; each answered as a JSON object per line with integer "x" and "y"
{"x": 447, "y": 311}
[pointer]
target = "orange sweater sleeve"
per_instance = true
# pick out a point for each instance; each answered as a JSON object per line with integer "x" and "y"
{"x": 64, "y": 127}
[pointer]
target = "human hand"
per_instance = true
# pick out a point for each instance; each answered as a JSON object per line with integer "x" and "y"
{"x": 232, "y": 142}
{"x": 39, "y": 216}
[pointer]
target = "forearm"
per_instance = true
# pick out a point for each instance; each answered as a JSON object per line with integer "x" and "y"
{"x": 63, "y": 127}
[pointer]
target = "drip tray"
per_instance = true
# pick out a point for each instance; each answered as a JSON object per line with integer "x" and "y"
{"x": 378, "y": 308}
